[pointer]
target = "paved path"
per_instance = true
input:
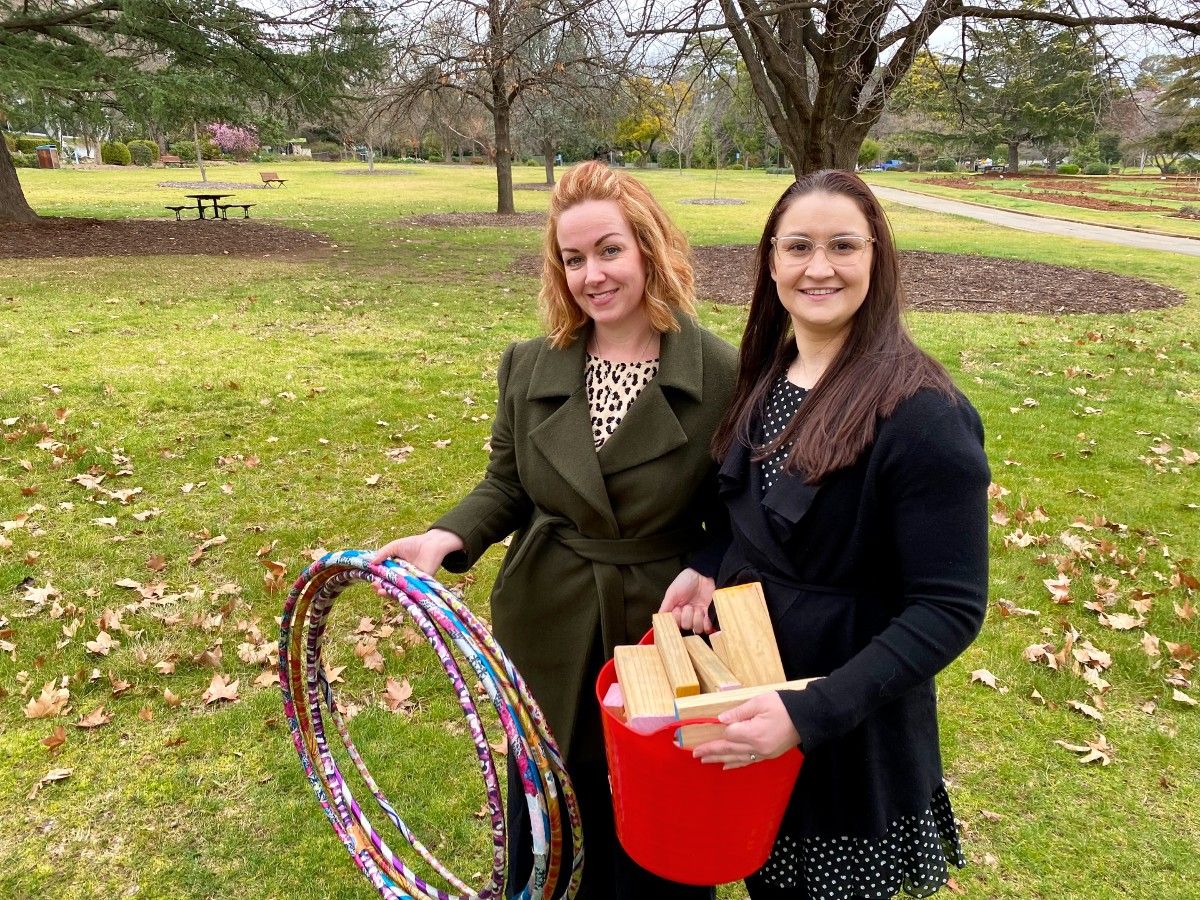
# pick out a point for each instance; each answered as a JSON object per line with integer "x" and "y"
{"x": 1024, "y": 222}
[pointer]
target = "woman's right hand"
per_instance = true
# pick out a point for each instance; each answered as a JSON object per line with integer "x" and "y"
{"x": 424, "y": 551}
{"x": 688, "y": 598}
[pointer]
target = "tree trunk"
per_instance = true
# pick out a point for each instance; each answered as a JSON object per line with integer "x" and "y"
{"x": 1014, "y": 162}
{"x": 548, "y": 156}
{"x": 370, "y": 157}
{"x": 826, "y": 143}
{"x": 199, "y": 154}
{"x": 13, "y": 205}
{"x": 500, "y": 112}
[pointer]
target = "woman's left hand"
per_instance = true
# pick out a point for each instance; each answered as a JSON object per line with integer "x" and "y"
{"x": 688, "y": 598}
{"x": 756, "y": 730}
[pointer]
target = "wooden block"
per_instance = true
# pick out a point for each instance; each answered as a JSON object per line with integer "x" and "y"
{"x": 649, "y": 700}
{"x": 614, "y": 701}
{"x": 704, "y": 705}
{"x": 674, "y": 655}
{"x": 751, "y": 651}
{"x": 712, "y": 674}
{"x": 717, "y": 640}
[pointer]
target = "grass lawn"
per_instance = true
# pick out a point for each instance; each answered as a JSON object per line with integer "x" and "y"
{"x": 1000, "y": 193}
{"x": 257, "y": 401}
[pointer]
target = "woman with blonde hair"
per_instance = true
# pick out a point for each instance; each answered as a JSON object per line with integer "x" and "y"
{"x": 600, "y": 464}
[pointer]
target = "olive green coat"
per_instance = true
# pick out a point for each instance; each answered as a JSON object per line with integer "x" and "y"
{"x": 600, "y": 534}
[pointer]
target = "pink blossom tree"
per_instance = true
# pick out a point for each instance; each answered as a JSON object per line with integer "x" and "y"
{"x": 234, "y": 140}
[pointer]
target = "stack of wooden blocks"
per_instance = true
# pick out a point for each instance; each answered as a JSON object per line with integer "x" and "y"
{"x": 680, "y": 677}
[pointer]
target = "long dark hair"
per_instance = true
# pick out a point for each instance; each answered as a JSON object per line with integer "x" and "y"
{"x": 877, "y": 368}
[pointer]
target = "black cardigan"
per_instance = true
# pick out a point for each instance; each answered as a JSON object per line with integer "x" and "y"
{"x": 876, "y": 580}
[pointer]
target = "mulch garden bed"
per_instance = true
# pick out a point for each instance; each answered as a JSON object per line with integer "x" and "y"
{"x": 474, "y": 220}
{"x": 56, "y": 237}
{"x": 532, "y": 186}
{"x": 1085, "y": 202}
{"x": 213, "y": 185}
{"x": 948, "y": 282}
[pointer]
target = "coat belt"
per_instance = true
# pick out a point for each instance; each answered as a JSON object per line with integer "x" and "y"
{"x": 605, "y": 554}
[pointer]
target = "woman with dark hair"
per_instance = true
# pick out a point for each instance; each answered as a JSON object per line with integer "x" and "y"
{"x": 856, "y": 482}
{"x": 600, "y": 464}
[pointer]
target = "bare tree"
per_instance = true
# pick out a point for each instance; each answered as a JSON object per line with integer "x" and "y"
{"x": 823, "y": 69}
{"x": 493, "y": 51}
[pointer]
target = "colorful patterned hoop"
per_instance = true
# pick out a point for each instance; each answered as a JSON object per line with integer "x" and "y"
{"x": 441, "y": 616}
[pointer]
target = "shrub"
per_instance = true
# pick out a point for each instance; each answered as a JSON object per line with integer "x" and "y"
{"x": 1034, "y": 167}
{"x": 434, "y": 156}
{"x": 780, "y": 170}
{"x": 1068, "y": 169}
{"x": 26, "y": 144}
{"x": 115, "y": 153}
{"x": 186, "y": 150}
{"x": 144, "y": 153}
{"x": 945, "y": 164}
{"x": 24, "y": 160}
{"x": 669, "y": 159}
{"x": 263, "y": 156}
{"x": 1190, "y": 210}
{"x": 1190, "y": 166}
{"x": 10, "y": 142}
{"x": 1096, "y": 169}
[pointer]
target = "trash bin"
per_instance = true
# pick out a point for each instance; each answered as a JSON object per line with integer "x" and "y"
{"x": 47, "y": 155}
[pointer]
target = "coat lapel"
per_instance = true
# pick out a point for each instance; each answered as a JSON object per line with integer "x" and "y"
{"x": 564, "y": 437}
{"x": 651, "y": 427}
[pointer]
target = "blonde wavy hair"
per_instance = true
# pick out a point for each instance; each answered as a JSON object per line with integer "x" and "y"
{"x": 670, "y": 282}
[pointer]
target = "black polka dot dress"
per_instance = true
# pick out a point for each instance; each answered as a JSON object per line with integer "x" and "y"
{"x": 611, "y": 389}
{"x": 913, "y": 857}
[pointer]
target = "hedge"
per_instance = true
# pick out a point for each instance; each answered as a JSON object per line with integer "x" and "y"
{"x": 1096, "y": 169}
{"x": 945, "y": 164}
{"x": 115, "y": 153}
{"x": 144, "y": 152}
{"x": 1068, "y": 169}
{"x": 24, "y": 160}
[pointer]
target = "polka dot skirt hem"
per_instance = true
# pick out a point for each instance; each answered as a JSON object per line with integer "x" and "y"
{"x": 913, "y": 857}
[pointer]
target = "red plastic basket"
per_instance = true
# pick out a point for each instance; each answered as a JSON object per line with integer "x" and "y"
{"x": 684, "y": 820}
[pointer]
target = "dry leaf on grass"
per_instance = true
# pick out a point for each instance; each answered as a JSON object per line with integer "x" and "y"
{"x": 275, "y": 578}
{"x": 103, "y": 644}
{"x": 220, "y": 688}
{"x": 51, "y": 776}
{"x": 97, "y": 718}
{"x": 1098, "y": 750}
{"x": 51, "y": 702}
{"x": 1090, "y": 711}
{"x": 57, "y": 738}
{"x": 1180, "y": 697}
{"x": 983, "y": 676}
{"x": 397, "y": 697}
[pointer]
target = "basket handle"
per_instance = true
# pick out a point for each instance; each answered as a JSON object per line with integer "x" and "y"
{"x": 671, "y": 727}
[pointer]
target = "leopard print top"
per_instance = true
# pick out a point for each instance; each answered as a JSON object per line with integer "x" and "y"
{"x": 611, "y": 389}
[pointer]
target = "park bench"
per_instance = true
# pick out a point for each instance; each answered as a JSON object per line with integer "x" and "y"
{"x": 168, "y": 159}
{"x": 270, "y": 179}
{"x": 225, "y": 207}
{"x": 178, "y": 209}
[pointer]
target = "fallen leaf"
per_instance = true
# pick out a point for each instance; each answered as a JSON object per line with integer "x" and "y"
{"x": 983, "y": 676}
{"x": 165, "y": 667}
{"x": 156, "y": 563}
{"x": 267, "y": 678}
{"x": 146, "y": 714}
{"x": 275, "y": 579}
{"x": 220, "y": 688}
{"x": 51, "y": 702}
{"x": 95, "y": 719}
{"x": 57, "y": 738}
{"x": 1059, "y": 589}
{"x": 1180, "y": 697}
{"x": 1121, "y": 621}
{"x": 103, "y": 644}
{"x": 1093, "y": 751}
{"x": 170, "y": 699}
{"x": 51, "y": 776}
{"x": 397, "y": 695}
{"x": 1090, "y": 711}
{"x": 372, "y": 480}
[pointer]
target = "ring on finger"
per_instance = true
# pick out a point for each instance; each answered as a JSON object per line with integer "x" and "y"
{"x": 753, "y": 757}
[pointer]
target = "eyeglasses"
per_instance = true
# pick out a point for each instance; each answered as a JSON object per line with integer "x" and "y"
{"x": 840, "y": 250}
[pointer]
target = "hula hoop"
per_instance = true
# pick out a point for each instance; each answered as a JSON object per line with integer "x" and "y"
{"x": 444, "y": 620}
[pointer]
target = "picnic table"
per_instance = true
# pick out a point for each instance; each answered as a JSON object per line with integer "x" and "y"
{"x": 201, "y": 198}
